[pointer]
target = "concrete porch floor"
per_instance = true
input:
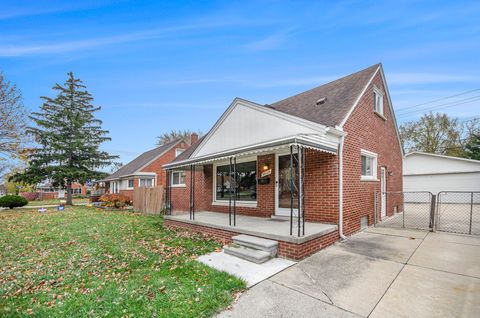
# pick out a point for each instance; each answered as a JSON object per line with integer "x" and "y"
{"x": 275, "y": 229}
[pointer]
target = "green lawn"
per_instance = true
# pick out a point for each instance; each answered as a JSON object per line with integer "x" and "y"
{"x": 88, "y": 263}
{"x": 56, "y": 201}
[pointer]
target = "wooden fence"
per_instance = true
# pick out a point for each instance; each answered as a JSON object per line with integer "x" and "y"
{"x": 148, "y": 200}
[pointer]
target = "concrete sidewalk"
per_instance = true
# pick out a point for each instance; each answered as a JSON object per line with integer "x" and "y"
{"x": 377, "y": 273}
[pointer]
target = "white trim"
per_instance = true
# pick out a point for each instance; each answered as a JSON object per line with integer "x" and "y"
{"x": 359, "y": 97}
{"x": 383, "y": 194}
{"x": 214, "y": 177}
{"x": 373, "y": 156}
{"x": 258, "y": 107}
{"x": 441, "y": 156}
{"x": 280, "y": 211}
{"x": 153, "y": 182}
{"x": 177, "y": 153}
{"x": 244, "y": 204}
{"x": 178, "y": 185}
{"x": 271, "y": 145}
{"x": 378, "y": 92}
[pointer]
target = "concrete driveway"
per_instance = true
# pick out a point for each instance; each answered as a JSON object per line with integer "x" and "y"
{"x": 377, "y": 273}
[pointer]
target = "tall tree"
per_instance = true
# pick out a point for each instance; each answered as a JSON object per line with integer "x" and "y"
{"x": 69, "y": 136}
{"x": 172, "y": 135}
{"x": 472, "y": 148}
{"x": 433, "y": 133}
{"x": 12, "y": 120}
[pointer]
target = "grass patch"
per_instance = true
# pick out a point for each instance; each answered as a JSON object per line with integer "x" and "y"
{"x": 56, "y": 201}
{"x": 89, "y": 263}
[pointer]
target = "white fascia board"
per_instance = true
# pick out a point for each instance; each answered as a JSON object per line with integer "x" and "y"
{"x": 257, "y": 107}
{"x": 441, "y": 156}
{"x": 358, "y": 98}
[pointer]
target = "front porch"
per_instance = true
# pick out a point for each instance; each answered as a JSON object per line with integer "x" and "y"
{"x": 316, "y": 237}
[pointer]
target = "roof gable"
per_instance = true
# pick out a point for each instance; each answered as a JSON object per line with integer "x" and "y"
{"x": 340, "y": 97}
{"x": 427, "y": 163}
{"x": 143, "y": 160}
{"x": 245, "y": 123}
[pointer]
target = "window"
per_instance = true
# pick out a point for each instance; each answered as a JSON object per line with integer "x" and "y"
{"x": 130, "y": 183}
{"x": 146, "y": 182}
{"x": 369, "y": 165}
{"x": 114, "y": 187}
{"x": 378, "y": 101}
{"x": 178, "y": 151}
{"x": 178, "y": 178}
{"x": 246, "y": 182}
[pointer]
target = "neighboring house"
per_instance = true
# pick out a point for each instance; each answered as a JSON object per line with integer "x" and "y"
{"x": 344, "y": 142}
{"x": 47, "y": 191}
{"x": 435, "y": 173}
{"x": 146, "y": 170}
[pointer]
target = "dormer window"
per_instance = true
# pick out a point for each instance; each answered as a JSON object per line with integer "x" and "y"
{"x": 378, "y": 101}
{"x": 178, "y": 151}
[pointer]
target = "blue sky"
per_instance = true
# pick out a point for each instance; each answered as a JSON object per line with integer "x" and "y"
{"x": 154, "y": 66}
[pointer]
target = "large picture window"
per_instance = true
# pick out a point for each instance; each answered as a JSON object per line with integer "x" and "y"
{"x": 246, "y": 185}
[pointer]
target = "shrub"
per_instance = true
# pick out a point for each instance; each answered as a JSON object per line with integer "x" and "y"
{"x": 12, "y": 201}
{"x": 30, "y": 196}
{"x": 115, "y": 200}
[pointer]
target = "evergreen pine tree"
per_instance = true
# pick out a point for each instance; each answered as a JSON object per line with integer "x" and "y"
{"x": 69, "y": 136}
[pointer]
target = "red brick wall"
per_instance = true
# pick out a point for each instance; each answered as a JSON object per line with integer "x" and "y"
{"x": 204, "y": 192}
{"x": 156, "y": 166}
{"x": 368, "y": 131}
{"x": 285, "y": 249}
{"x": 321, "y": 187}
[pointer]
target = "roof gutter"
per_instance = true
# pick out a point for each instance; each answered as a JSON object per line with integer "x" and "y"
{"x": 329, "y": 147}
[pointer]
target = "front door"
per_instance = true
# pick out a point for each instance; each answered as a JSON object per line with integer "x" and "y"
{"x": 283, "y": 185}
{"x": 383, "y": 189}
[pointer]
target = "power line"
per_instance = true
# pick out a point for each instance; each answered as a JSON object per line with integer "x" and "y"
{"x": 442, "y": 106}
{"x": 440, "y": 99}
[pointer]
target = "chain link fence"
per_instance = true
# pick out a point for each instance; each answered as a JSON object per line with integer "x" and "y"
{"x": 411, "y": 210}
{"x": 448, "y": 211}
{"x": 458, "y": 212}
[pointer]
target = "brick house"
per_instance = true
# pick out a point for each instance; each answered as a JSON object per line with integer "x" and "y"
{"x": 146, "y": 170}
{"x": 301, "y": 171}
{"x": 47, "y": 191}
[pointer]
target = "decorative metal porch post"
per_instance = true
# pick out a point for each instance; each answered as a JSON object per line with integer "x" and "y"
{"x": 291, "y": 189}
{"x": 168, "y": 202}
{"x": 192, "y": 192}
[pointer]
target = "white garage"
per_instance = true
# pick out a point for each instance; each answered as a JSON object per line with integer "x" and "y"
{"x": 435, "y": 173}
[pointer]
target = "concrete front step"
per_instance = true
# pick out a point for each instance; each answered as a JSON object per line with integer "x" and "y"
{"x": 247, "y": 253}
{"x": 257, "y": 243}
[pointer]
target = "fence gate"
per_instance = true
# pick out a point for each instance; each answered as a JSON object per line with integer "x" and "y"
{"x": 409, "y": 210}
{"x": 148, "y": 200}
{"x": 458, "y": 212}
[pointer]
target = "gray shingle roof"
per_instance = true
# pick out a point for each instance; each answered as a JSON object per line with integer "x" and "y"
{"x": 340, "y": 96}
{"x": 137, "y": 163}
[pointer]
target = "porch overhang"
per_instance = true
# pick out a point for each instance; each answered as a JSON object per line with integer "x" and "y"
{"x": 316, "y": 142}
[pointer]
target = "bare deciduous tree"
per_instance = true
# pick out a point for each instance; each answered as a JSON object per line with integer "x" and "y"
{"x": 174, "y": 135}
{"x": 12, "y": 119}
{"x": 438, "y": 133}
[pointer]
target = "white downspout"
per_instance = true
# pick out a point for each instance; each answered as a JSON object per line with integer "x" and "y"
{"x": 340, "y": 189}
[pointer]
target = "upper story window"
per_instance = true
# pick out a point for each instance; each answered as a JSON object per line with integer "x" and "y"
{"x": 130, "y": 183}
{"x": 378, "y": 101}
{"x": 178, "y": 151}
{"x": 178, "y": 178}
{"x": 145, "y": 182}
{"x": 369, "y": 165}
